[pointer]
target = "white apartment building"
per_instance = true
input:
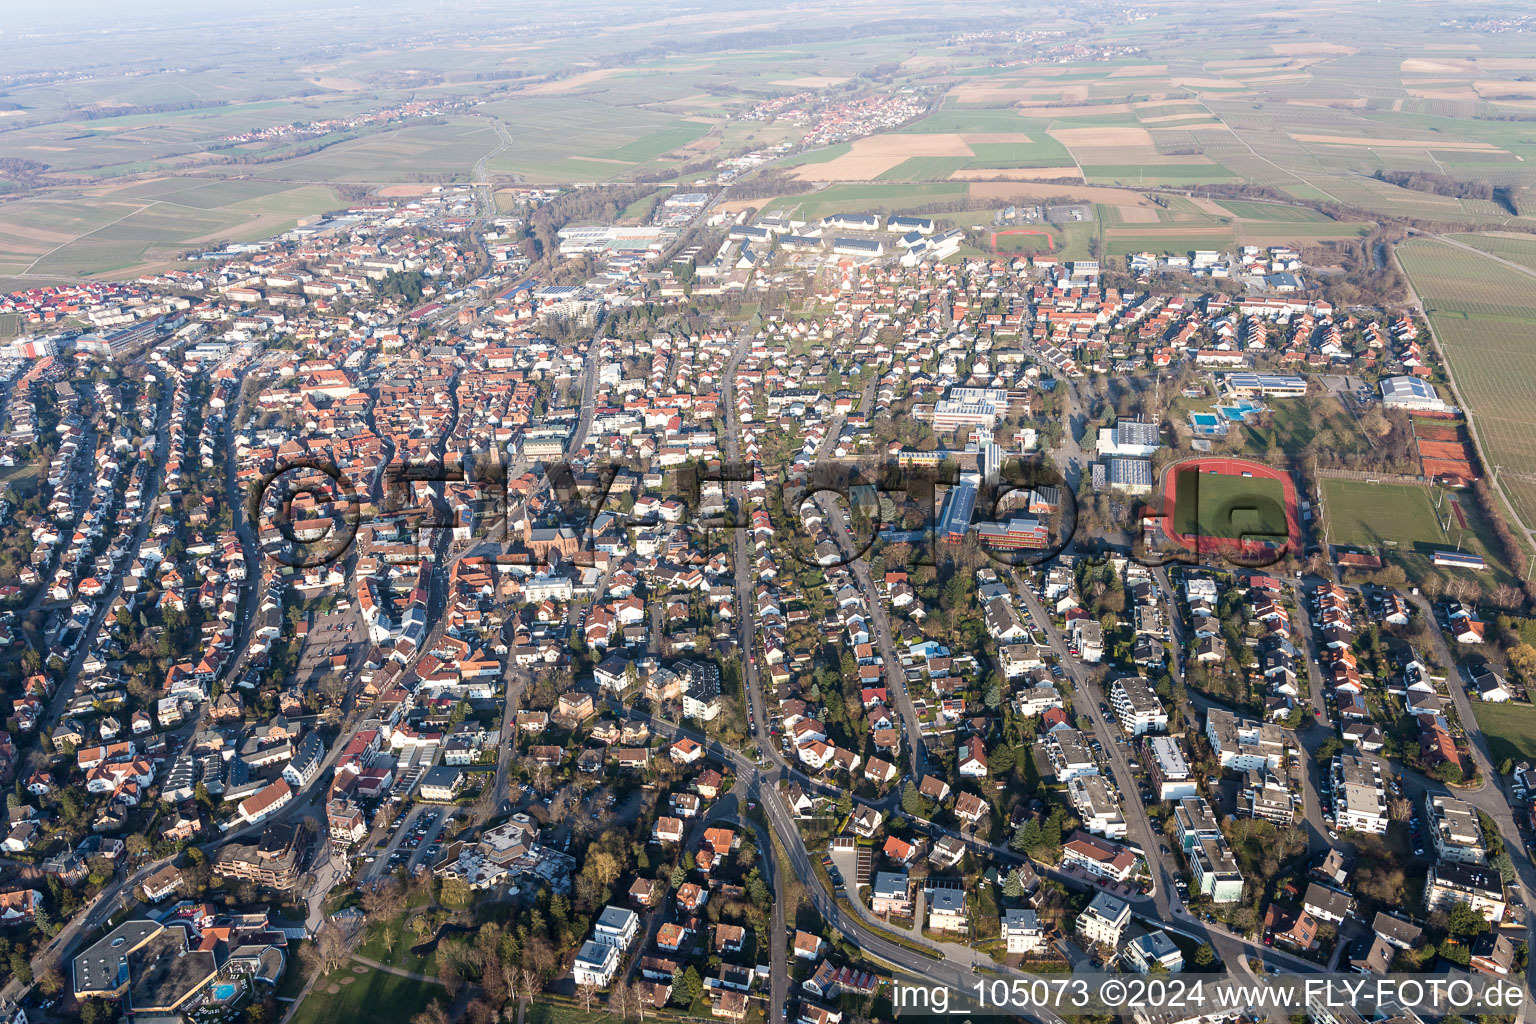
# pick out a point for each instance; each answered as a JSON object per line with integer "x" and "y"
{"x": 595, "y": 965}
{"x": 1242, "y": 743}
{"x": 1155, "y": 947}
{"x": 1069, "y": 755}
{"x": 1168, "y": 768}
{"x": 1104, "y": 921}
{"x": 1098, "y": 805}
{"x": 1022, "y": 930}
{"x": 1478, "y": 887}
{"x": 1360, "y": 800}
{"x": 946, "y": 910}
{"x": 1455, "y": 830}
{"x": 1137, "y": 706}
{"x": 616, "y": 926}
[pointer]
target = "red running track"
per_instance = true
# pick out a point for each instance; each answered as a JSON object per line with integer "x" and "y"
{"x": 1229, "y": 467}
{"x": 1050, "y": 242}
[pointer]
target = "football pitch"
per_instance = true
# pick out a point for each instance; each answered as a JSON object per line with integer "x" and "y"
{"x": 1229, "y": 507}
{"x": 1362, "y": 514}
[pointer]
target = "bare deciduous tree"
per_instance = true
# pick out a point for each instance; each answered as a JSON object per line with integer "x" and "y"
{"x": 330, "y": 950}
{"x": 638, "y": 998}
{"x": 528, "y": 981}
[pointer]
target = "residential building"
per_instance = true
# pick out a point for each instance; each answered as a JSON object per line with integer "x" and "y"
{"x": 442, "y": 783}
{"x": 1213, "y": 870}
{"x": 595, "y": 964}
{"x": 1360, "y": 799}
{"x": 1241, "y": 743}
{"x": 1167, "y": 768}
{"x": 1098, "y": 856}
{"x": 1068, "y": 754}
{"x": 275, "y": 861}
{"x": 616, "y": 926}
{"x": 1097, "y": 805}
{"x": 1478, "y": 887}
{"x": 1327, "y": 904}
{"x": 1103, "y": 921}
{"x": 1152, "y": 949}
{"x": 1137, "y": 706}
{"x": 891, "y": 894}
{"x": 1022, "y": 931}
{"x": 946, "y": 908}
{"x": 1454, "y": 829}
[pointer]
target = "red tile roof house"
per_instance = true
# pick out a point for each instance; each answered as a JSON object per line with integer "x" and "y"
{"x": 806, "y": 945}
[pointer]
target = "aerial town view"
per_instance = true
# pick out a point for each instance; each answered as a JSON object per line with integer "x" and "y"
{"x": 628, "y": 511}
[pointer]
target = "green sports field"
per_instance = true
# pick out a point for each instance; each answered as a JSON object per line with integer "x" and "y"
{"x": 1399, "y": 521}
{"x": 1368, "y": 515}
{"x": 1228, "y": 507}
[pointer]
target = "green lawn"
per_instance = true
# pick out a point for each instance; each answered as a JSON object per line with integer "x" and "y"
{"x": 400, "y": 955}
{"x": 1232, "y": 507}
{"x": 376, "y": 997}
{"x": 1292, "y": 424}
{"x": 1510, "y": 728}
{"x": 557, "y": 1013}
{"x": 1367, "y": 515}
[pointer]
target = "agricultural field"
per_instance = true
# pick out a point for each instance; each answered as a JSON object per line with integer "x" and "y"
{"x": 111, "y": 232}
{"x": 1158, "y": 174}
{"x": 1277, "y": 212}
{"x": 924, "y": 168}
{"x": 445, "y": 152}
{"x": 1515, "y": 249}
{"x": 1484, "y": 316}
{"x": 873, "y": 197}
{"x": 1119, "y": 241}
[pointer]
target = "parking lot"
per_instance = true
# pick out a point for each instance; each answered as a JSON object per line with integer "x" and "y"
{"x": 333, "y": 635}
{"x": 411, "y": 838}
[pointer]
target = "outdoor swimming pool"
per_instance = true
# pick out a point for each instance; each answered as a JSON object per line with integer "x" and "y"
{"x": 1208, "y": 424}
{"x": 1237, "y": 412}
{"x": 224, "y": 990}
